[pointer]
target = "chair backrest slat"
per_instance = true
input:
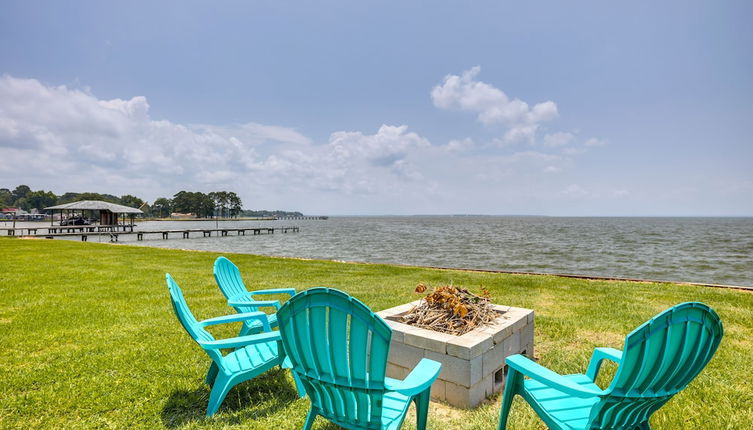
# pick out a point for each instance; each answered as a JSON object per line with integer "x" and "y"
{"x": 675, "y": 356}
{"x": 339, "y": 349}
{"x": 660, "y": 358}
{"x": 231, "y": 283}
{"x": 359, "y": 334}
{"x": 338, "y": 332}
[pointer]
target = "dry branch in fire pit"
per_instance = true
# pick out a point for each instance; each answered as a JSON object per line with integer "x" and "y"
{"x": 451, "y": 310}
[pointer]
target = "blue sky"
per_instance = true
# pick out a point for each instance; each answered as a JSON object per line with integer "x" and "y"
{"x": 552, "y": 108}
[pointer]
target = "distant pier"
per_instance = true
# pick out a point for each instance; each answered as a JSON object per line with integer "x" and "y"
{"x": 113, "y": 234}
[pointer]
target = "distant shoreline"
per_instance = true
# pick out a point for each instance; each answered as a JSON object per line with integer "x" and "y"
{"x": 594, "y": 278}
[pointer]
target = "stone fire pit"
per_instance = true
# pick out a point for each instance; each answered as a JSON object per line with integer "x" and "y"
{"x": 473, "y": 365}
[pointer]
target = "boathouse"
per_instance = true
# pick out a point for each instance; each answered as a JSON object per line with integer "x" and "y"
{"x": 105, "y": 213}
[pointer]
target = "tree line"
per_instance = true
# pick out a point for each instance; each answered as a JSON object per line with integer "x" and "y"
{"x": 217, "y": 203}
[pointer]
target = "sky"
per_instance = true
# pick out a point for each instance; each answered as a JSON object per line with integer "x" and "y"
{"x": 584, "y": 108}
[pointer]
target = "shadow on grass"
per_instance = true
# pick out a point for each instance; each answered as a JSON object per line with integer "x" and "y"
{"x": 259, "y": 397}
{"x": 323, "y": 424}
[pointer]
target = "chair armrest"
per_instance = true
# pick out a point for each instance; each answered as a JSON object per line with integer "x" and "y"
{"x": 419, "y": 379}
{"x": 240, "y": 341}
{"x": 549, "y": 378}
{"x": 289, "y": 291}
{"x": 599, "y": 355}
{"x": 257, "y": 303}
{"x": 260, "y": 316}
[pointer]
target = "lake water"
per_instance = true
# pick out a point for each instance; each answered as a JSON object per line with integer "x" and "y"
{"x": 711, "y": 250}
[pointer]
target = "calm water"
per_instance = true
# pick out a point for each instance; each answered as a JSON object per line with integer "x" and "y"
{"x": 713, "y": 250}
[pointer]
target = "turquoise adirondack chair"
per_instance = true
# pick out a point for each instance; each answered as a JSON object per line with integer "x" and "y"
{"x": 339, "y": 348}
{"x": 231, "y": 284}
{"x": 658, "y": 360}
{"x": 251, "y": 356}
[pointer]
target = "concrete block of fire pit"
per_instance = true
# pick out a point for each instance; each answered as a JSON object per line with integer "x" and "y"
{"x": 473, "y": 365}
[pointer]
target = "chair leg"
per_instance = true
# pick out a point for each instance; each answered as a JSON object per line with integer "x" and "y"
{"x": 422, "y": 408}
{"x": 298, "y": 385}
{"x": 513, "y": 379}
{"x": 310, "y": 419}
{"x": 222, "y": 385}
{"x": 212, "y": 374}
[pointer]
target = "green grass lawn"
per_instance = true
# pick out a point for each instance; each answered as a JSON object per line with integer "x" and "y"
{"x": 88, "y": 338}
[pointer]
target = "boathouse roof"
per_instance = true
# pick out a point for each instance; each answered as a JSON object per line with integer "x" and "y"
{"x": 96, "y": 205}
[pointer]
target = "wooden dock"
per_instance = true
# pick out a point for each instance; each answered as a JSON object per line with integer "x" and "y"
{"x": 56, "y": 229}
{"x": 113, "y": 235}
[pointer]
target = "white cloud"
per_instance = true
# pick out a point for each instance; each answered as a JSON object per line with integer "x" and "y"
{"x": 560, "y": 138}
{"x": 355, "y": 154}
{"x": 459, "y": 146}
{"x": 389, "y": 145}
{"x": 86, "y": 143}
{"x": 253, "y": 132}
{"x": 493, "y": 106}
{"x": 520, "y": 134}
{"x": 8, "y": 129}
{"x": 67, "y": 138}
{"x": 70, "y": 138}
{"x": 522, "y": 123}
{"x": 466, "y": 93}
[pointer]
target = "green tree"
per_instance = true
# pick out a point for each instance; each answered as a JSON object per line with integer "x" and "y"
{"x": 6, "y": 198}
{"x": 198, "y": 203}
{"x": 68, "y": 197}
{"x": 132, "y": 201}
{"x": 162, "y": 207}
{"x": 205, "y": 205}
{"x": 146, "y": 209}
{"x": 226, "y": 203}
{"x": 183, "y": 202}
{"x": 77, "y": 197}
{"x": 236, "y": 205}
{"x": 96, "y": 196}
{"x": 221, "y": 202}
{"x": 22, "y": 203}
{"x": 41, "y": 199}
{"x": 20, "y": 192}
